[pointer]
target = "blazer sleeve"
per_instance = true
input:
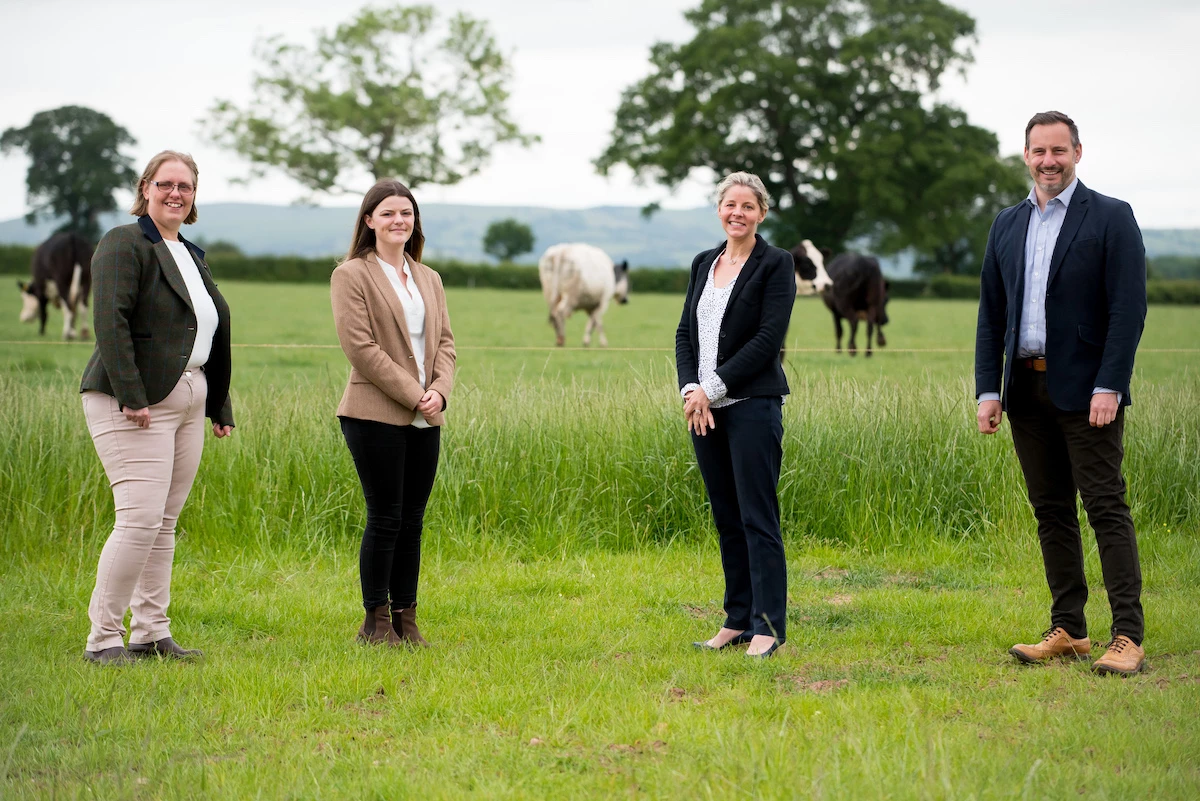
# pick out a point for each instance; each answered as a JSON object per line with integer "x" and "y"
{"x": 779, "y": 294}
{"x": 1125, "y": 283}
{"x": 989, "y": 329}
{"x": 445, "y": 357}
{"x": 687, "y": 362}
{"x": 116, "y": 280}
{"x": 353, "y": 324}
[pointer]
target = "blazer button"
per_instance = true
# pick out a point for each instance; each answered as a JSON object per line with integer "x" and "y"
{"x": 722, "y": 335}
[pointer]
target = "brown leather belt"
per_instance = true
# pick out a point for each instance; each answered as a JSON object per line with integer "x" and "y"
{"x": 1037, "y": 364}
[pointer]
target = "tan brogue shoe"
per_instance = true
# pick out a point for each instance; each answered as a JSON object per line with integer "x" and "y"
{"x": 1123, "y": 657}
{"x": 1055, "y": 644}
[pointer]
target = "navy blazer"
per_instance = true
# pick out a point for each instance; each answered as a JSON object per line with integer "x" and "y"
{"x": 753, "y": 328}
{"x": 1095, "y": 301}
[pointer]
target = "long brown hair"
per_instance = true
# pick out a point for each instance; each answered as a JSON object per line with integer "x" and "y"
{"x": 141, "y": 206}
{"x": 363, "y": 241}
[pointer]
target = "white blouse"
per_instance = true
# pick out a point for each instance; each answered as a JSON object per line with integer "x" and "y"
{"x": 710, "y": 311}
{"x": 202, "y": 304}
{"x": 414, "y": 316}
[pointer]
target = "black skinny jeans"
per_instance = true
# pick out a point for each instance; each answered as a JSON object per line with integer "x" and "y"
{"x": 397, "y": 466}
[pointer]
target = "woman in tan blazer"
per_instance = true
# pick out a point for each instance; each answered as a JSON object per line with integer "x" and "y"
{"x": 392, "y": 323}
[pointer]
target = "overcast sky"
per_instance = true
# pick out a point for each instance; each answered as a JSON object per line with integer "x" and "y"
{"x": 1126, "y": 71}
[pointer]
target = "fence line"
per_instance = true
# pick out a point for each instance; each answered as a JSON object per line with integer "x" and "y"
{"x": 554, "y": 349}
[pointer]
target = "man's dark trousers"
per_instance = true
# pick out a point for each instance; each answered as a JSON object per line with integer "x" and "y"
{"x": 1061, "y": 452}
{"x": 739, "y": 460}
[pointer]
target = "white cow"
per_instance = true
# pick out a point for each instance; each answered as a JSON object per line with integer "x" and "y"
{"x": 577, "y": 276}
{"x": 811, "y": 277}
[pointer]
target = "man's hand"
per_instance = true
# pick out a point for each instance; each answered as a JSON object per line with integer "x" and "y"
{"x": 988, "y": 415}
{"x": 1104, "y": 409}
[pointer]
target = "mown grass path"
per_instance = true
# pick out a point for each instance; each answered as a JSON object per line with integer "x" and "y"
{"x": 570, "y": 562}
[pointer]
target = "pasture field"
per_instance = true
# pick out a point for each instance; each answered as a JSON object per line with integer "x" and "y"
{"x": 569, "y": 562}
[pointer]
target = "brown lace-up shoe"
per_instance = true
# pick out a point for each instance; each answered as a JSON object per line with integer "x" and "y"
{"x": 377, "y": 628}
{"x": 1056, "y": 643}
{"x": 166, "y": 648}
{"x": 404, "y": 621}
{"x": 1123, "y": 657}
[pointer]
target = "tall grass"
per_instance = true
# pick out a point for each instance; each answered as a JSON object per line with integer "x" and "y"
{"x": 539, "y": 466}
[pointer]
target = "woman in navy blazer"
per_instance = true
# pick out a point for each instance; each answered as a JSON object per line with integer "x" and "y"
{"x": 735, "y": 318}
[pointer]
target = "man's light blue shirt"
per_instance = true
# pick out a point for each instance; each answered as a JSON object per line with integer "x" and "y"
{"x": 1040, "y": 239}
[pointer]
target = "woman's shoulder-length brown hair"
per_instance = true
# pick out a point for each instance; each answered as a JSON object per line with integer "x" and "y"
{"x": 363, "y": 241}
{"x": 141, "y": 206}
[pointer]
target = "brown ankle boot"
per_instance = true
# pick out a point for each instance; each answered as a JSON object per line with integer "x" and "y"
{"x": 404, "y": 621}
{"x": 377, "y": 628}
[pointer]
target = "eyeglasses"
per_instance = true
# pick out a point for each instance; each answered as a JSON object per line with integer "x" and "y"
{"x": 169, "y": 187}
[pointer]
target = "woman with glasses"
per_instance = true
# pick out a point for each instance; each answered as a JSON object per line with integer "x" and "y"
{"x": 390, "y": 313}
{"x": 161, "y": 365}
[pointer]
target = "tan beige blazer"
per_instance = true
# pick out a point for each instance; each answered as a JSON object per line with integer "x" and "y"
{"x": 374, "y": 336}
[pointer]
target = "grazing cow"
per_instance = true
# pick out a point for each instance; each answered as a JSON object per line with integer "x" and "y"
{"x": 811, "y": 277}
{"x": 859, "y": 292}
{"x": 577, "y": 276}
{"x": 62, "y": 275}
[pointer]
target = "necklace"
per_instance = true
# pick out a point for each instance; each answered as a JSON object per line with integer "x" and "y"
{"x": 732, "y": 261}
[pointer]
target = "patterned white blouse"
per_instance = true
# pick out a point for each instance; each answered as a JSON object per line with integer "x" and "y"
{"x": 710, "y": 311}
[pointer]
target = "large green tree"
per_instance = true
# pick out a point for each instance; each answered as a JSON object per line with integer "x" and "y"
{"x": 75, "y": 166}
{"x": 394, "y": 93}
{"x": 507, "y": 238}
{"x": 827, "y": 100}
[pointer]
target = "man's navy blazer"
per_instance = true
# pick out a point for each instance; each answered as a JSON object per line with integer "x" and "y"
{"x": 753, "y": 328}
{"x": 1095, "y": 301}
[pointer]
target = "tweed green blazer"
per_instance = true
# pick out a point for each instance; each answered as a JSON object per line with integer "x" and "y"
{"x": 144, "y": 322}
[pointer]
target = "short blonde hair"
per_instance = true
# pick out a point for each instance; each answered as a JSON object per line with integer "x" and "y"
{"x": 141, "y": 206}
{"x": 748, "y": 180}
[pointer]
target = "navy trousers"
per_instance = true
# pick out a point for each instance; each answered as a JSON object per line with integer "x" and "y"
{"x": 739, "y": 460}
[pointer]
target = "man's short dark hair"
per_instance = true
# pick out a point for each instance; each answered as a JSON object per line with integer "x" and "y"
{"x": 1052, "y": 118}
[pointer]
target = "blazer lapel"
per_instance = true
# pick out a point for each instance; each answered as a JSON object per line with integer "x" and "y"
{"x": 170, "y": 271}
{"x": 752, "y": 265}
{"x": 1075, "y": 214}
{"x": 166, "y": 261}
{"x": 1018, "y": 266}
{"x": 424, "y": 282}
{"x": 384, "y": 287}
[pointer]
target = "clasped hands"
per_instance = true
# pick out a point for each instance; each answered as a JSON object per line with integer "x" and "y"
{"x": 698, "y": 412}
{"x": 431, "y": 403}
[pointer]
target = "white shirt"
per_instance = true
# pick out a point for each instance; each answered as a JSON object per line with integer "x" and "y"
{"x": 414, "y": 316}
{"x": 202, "y": 304}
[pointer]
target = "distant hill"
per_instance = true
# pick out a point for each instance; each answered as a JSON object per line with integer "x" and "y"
{"x": 669, "y": 239}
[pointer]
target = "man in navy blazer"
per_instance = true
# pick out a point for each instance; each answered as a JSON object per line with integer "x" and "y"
{"x": 1061, "y": 309}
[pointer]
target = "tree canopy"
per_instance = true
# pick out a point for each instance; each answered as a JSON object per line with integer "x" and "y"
{"x": 393, "y": 92}
{"x": 830, "y": 103}
{"x": 506, "y": 239}
{"x": 75, "y": 166}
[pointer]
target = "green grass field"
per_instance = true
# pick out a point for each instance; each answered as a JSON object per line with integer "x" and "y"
{"x": 569, "y": 562}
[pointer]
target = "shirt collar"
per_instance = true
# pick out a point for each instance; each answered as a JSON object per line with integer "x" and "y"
{"x": 1063, "y": 197}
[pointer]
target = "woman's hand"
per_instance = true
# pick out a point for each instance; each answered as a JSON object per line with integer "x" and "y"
{"x": 222, "y": 431}
{"x": 698, "y": 412}
{"x": 431, "y": 403}
{"x": 139, "y": 417}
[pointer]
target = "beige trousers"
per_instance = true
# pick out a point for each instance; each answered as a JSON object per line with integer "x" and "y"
{"x": 151, "y": 471}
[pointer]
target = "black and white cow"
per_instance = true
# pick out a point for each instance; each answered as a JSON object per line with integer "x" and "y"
{"x": 859, "y": 292}
{"x": 811, "y": 278}
{"x": 61, "y": 274}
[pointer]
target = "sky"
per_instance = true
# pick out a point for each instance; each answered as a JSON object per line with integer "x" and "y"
{"x": 1124, "y": 71}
